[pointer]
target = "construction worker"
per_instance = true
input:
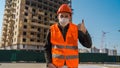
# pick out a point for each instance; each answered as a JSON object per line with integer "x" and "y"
{"x": 61, "y": 47}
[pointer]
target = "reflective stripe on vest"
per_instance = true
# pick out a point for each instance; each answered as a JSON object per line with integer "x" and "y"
{"x": 63, "y": 57}
{"x": 67, "y": 47}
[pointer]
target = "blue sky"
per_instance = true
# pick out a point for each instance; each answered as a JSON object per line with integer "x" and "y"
{"x": 99, "y": 15}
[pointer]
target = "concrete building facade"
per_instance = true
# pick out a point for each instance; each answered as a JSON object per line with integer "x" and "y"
{"x": 26, "y": 23}
{"x": 95, "y": 50}
{"x": 112, "y": 52}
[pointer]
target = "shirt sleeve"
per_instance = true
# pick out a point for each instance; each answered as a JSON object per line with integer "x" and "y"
{"x": 85, "y": 39}
{"x": 48, "y": 47}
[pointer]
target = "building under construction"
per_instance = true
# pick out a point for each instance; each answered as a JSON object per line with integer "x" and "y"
{"x": 25, "y": 23}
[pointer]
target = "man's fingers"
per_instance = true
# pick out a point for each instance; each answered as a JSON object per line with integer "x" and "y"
{"x": 81, "y": 27}
{"x": 82, "y": 21}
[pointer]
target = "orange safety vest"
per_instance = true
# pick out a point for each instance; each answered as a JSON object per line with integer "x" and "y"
{"x": 65, "y": 51}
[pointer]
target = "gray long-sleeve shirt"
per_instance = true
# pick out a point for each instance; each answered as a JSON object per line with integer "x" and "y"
{"x": 84, "y": 39}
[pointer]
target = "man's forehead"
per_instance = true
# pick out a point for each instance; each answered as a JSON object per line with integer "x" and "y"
{"x": 64, "y": 13}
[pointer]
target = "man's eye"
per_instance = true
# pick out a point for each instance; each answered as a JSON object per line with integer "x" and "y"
{"x": 61, "y": 16}
{"x": 66, "y": 16}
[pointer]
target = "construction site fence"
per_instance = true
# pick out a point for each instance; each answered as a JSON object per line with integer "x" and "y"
{"x": 38, "y": 56}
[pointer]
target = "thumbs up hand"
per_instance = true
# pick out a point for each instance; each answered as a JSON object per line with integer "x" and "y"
{"x": 81, "y": 27}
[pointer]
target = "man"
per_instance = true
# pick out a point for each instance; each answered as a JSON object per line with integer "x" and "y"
{"x": 62, "y": 41}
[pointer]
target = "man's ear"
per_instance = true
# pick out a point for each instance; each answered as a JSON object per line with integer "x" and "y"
{"x": 58, "y": 16}
{"x": 70, "y": 17}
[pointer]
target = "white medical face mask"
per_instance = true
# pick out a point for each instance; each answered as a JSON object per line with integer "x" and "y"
{"x": 63, "y": 21}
